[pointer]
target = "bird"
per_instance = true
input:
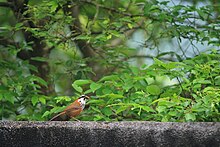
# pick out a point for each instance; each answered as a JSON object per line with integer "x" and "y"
{"x": 72, "y": 110}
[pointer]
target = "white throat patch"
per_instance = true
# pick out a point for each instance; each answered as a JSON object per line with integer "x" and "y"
{"x": 82, "y": 102}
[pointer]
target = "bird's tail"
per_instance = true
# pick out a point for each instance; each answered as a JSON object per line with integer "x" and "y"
{"x": 60, "y": 117}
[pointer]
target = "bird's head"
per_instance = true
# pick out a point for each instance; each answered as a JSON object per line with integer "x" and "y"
{"x": 84, "y": 97}
{"x": 82, "y": 100}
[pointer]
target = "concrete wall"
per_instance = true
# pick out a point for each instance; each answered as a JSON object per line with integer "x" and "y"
{"x": 106, "y": 134}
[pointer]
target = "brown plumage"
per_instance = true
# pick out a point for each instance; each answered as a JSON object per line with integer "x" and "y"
{"x": 72, "y": 110}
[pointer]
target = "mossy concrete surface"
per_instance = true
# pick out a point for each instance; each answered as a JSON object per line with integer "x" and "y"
{"x": 109, "y": 134}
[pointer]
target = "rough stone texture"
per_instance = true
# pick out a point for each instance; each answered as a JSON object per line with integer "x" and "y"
{"x": 109, "y": 134}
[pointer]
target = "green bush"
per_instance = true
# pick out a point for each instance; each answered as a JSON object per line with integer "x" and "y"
{"x": 138, "y": 94}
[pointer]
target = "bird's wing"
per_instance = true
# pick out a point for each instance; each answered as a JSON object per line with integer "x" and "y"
{"x": 74, "y": 106}
{"x": 73, "y": 110}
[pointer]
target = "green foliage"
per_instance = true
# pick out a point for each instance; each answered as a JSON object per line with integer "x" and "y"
{"x": 19, "y": 91}
{"x": 49, "y": 49}
{"x": 130, "y": 95}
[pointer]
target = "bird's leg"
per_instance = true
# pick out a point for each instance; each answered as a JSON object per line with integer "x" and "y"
{"x": 75, "y": 119}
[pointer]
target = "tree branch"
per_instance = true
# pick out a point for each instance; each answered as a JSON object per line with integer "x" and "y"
{"x": 127, "y": 33}
{"x": 152, "y": 57}
{"x": 6, "y": 4}
{"x": 152, "y": 17}
{"x": 85, "y": 47}
{"x": 110, "y": 9}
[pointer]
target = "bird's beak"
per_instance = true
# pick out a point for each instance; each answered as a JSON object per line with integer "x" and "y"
{"x": 87, "y": 97}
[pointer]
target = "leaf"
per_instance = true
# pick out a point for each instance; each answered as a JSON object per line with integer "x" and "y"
{"x": 118, "y": 104}
{"x": 34, "y": 100}
{"x": 161, "y": 109}
{"x": 164, "y": 2}
{"x": 41, "y": 59}
{"x": 77, "y": 88}
{"x": 57, "y": 109}
{"x": 62, "y": 99}
{"x": 160, "y": 99}
{"x": 9, "y": 97}
{"x": 217, "y": 80}
{"x": 190, "y": 116}
{"x": 106, "y": 91}
{"x": 46, "y": 113}
{"x": 128, "y": 84}
{"x": 201, "y": 81}
{"x": 109, "y": 37}
{"x": 94, "y": 86}
{"x": 88, "y": 91}
{"x": 136, "y": 71}
{"x": 98, "y": 117}
{"x": 82, "y": 37}
{"x": 33, "y": 68}
{"x": 158, "y": 62}
{"x": 207, "y": 89}
{"x": 76, "y": 85}
{"x": 42, "y": 100}
{"x": 135, "y": 106}
{"x": 109, "y": 78}
{"x": 130, "y": 26}
{"x": 122, "y": 108}
{"x": 96, "y": 102}
{"x": 39, "y": 80}
{"x": 147, "y": 109}
{"x": 147, "y": 7}
{"x": 82, "y": 82}
{"x": 96, "y": 109}
{"x": 164, "y": 119}
{"x": 201, "y": 14}
{"x": 18, "y": 26}
{"x": 114, "y": 96}
{"x": 153, "y": 89}
{"x": 172, "y": 113}
{"x": 169, "y": 65}
{"x": 107, "y": 111}
{"x": 54, "y": 6}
